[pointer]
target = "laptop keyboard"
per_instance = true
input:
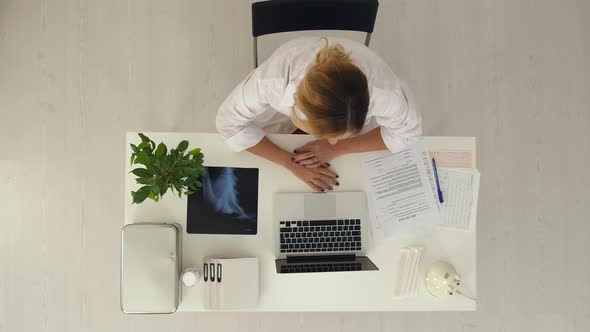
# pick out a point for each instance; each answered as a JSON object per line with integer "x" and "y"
{"x": 313, "y": 236}
{"x": 320, "y": 267}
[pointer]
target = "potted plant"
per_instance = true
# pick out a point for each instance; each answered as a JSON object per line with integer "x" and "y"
{"x": 177, "y": 169}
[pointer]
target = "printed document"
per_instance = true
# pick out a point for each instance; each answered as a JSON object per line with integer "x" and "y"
{"x": 401, "y": 192}
{"x": 460, "y": 189}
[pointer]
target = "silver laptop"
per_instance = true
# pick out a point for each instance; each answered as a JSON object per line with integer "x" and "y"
{"x": 321, "y": 232}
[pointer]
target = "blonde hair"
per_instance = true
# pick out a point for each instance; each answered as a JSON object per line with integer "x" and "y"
{"x": 331, "y": 53}
{"x": 333, "y": 95}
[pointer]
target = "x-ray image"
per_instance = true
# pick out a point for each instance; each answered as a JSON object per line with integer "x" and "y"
{"x": 227, "y": 203}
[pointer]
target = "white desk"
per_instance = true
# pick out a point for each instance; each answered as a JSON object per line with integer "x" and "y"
{"x": 337, "y": 291}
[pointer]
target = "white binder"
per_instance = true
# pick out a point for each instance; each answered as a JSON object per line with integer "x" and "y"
{"x": 231, "y": 283}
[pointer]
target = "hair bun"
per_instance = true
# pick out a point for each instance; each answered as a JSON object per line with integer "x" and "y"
{"x": 333, "y": 53}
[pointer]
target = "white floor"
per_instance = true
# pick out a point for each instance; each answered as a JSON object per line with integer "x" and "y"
{"x": 76, "y": 75}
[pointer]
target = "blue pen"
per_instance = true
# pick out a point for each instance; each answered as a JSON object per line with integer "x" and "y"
{"x": 440, "y": 196}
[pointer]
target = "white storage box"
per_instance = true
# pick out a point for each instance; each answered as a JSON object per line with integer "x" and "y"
{"x": 150, "y": 268}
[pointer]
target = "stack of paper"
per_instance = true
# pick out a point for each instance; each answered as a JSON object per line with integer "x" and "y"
{"x": 401, "y": 192}
{"x": 460, "y": 188}
{"x": 406, "y": 283}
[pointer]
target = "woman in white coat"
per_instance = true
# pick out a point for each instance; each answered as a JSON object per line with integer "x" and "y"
{"x": 337, "y": 90}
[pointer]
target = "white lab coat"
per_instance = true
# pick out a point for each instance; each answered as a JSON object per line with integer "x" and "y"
{"x": 263, "y": 102}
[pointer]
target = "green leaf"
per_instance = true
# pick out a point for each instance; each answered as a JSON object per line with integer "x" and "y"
{"x": 164, "y": 164}
{"x": 155, "y": 189}
{"x": 143, "y": 145}
{"x": 140, "y": 195}
{"x": 170, "y": 163}
{"x": 143, "y": 137}
{"x": 182, "y": 146}
{"x": 142, "y": 173}
{"x": 142, "y": 158}
{"x": 194, "y": 152}
{"x": 151, "y": 166}
{"x": 132, "y": 159}
{"x": 134, "y": 148}
{"x": 163, "y": 190}
{"x": 188, "y": 171}
{"x": 193, "y": 184}
{"x": 197, "y": 160}
{"x": 144, "y": 180}
{"x": 176, "y": 183}
{"x": 155, "y": 198}
{"x": 161, "y": 150}
{"x": 184, "y": 163}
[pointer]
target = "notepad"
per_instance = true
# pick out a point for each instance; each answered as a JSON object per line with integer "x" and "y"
{"x": 460, "y": 188}
{"x": 231, "y": 283}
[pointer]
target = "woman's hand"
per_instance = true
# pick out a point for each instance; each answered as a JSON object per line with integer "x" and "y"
{"x": 316, "y": 153}
{"x": 319, "y": 178}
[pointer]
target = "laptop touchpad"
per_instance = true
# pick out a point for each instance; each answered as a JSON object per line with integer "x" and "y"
{"x": 320, "y": 206}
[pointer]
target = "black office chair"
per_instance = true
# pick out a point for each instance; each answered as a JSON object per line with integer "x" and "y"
{"x": 296, "y": 15}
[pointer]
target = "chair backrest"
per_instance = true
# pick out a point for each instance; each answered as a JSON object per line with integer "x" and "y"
{"x": 276, "y": 16}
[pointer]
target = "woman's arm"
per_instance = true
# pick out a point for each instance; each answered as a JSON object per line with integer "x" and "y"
{"x": 370, "y": 141}
{"x": 270, "y": 151}
{"x": 319, "y": 179}
{"x": 313, "y": 154}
